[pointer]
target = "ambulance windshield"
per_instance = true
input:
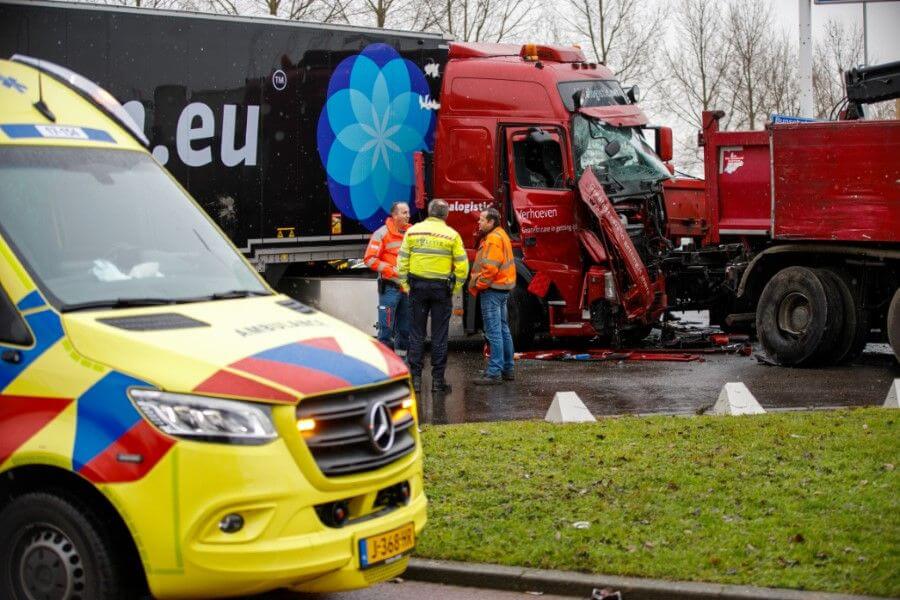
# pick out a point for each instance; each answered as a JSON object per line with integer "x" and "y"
{"x": 109, "y": 228}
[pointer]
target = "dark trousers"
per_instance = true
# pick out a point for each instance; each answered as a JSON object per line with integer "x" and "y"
{"x": 434, "y": 298}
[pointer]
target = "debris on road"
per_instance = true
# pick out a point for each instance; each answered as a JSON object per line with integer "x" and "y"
{"x": 696, "y": 342}
{"x": 605, "y": 354}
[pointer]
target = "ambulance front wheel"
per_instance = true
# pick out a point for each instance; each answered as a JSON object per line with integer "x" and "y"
{"x": 53, "y": 548}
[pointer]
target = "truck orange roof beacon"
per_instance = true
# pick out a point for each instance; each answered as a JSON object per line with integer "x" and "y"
{"x": 166, "y": 419}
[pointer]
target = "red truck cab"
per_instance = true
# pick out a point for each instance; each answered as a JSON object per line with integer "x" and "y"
{"x": 519, "y": 129}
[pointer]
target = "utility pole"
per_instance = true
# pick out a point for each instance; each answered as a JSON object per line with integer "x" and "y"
{"x": 865, "y": 36}
{"x": 805, "y": 63}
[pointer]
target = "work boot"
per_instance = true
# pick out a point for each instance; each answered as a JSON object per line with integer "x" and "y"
{"x": 439, "y": 385}
{"x": 417, "y": 383}
{"x": 508, "y": 376}
{"x": 486, "y": 379}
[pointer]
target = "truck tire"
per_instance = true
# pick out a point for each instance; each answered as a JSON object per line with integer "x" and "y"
{"x": 846, "y": 334}
{"x": 522, "y": 310}
{"x": 798, "y": 317}
{"x": 855, "y": 332}
{"x": 893, "y": 324}
{"x": 63, "y": 541}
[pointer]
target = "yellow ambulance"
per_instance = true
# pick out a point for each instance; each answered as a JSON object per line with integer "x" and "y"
{"x": 168, "y": 423}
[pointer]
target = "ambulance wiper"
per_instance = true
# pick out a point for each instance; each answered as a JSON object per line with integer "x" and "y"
{"x": 236, "y": 294}
{"x": 117, "y": 303}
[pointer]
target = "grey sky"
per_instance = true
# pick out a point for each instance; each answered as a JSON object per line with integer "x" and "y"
{"x": 883, "y": 23}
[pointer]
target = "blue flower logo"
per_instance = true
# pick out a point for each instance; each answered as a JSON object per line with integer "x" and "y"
{"x": 371, "y": 124}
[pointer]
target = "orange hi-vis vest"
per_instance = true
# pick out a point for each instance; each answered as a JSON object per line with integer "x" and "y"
{"x": 381, "y": 253}
{"x": 494, "y": 267}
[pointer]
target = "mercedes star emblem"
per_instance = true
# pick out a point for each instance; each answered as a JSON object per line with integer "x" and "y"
{"x": 381, "y": 427}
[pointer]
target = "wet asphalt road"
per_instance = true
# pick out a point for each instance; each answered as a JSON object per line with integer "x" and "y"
{"x": 413, "y": 590}
{"x": 616, "y": 388}
{"x": 613, "y": 388}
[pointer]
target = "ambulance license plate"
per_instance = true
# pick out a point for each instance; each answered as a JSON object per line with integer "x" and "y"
{"x": 380, "y": 548}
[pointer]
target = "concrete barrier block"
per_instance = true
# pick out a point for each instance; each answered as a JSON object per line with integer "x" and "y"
{"x": 893, "y": 397}
{"x": 736, "y": 399}
{"x": 567, "y": 407}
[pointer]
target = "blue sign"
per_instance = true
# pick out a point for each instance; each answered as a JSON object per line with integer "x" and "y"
{"x": 790, "y": 119}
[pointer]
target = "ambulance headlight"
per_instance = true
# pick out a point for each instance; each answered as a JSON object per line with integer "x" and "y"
{"x": 206, "y": 419}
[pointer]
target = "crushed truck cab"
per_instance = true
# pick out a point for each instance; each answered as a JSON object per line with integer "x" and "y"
{"x": 165, "y": 417}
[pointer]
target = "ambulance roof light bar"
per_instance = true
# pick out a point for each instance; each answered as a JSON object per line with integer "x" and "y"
{"x": 89, "y": 90}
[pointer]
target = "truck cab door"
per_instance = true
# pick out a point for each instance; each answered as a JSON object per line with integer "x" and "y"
{"x": 540, "y": 204}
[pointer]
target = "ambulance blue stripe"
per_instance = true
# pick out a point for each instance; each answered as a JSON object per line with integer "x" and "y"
{"x": 340, "y": 365}
{"x": 32, "y": 300}
{"x": 104, "y": 414}
{"x": 47, "y": 331}
{"x": 31, "y": 131}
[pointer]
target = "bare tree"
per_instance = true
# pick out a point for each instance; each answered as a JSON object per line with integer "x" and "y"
{"x": 324, "y": 11}
{"x": 763, "y": 78}
{"x": 883, "y": 111}
{"x": 394, "y": 14}
{"x": 378, "y": 9}
{"x": 698, "y": 64}
{"x": 780, "y": 80}
{"x": 839, "y": 49}
{"x": 144, "y": 3}
{"x": 749, "y": 28}
{"x": 623, "y": 34}
{"x": 479, "y": 20}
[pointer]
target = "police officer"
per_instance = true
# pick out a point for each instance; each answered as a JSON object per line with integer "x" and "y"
{"x": 381, "y": 257}
{"x": 433, "y": 266}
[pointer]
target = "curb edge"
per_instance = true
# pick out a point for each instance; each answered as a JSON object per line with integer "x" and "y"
{"x": 569, "y": 583}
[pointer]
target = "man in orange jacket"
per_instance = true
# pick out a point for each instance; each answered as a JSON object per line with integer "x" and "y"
{"x": 493, "y": 276}
{"x": 381, "y": 257}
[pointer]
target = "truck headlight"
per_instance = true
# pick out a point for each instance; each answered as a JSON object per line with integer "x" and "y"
{"x": 206, "y": 419}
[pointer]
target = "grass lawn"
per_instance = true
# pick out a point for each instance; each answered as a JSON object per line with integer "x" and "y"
{"x": 796, "y": 500}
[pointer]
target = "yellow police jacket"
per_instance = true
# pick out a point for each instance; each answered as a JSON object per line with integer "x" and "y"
{"x": 433, "y": 250}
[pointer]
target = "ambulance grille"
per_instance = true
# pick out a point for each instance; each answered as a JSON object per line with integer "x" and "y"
{"x": 340, "y": 442}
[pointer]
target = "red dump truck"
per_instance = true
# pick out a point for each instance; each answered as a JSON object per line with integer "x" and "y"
{"x": 797, "y": 229}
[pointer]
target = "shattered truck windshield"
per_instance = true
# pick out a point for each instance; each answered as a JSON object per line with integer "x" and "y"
{"x": 622, "y": 153}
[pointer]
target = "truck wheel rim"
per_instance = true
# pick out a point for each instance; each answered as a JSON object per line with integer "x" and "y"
{"x": 50, "y": 567}
{"x": 794, "y": 314}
